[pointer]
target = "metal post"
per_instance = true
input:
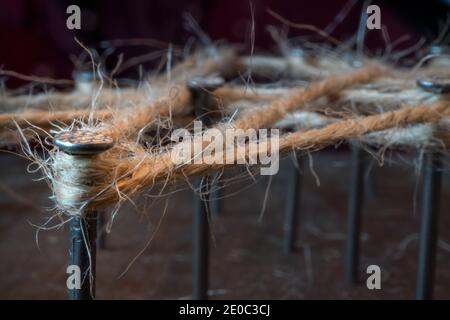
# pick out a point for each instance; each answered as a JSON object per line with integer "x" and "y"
{"x": 82, "y": 253}
{"x": 292, "y": 206}
{"x": 354, "y": 211}
{"x": 430, "y": 198}
{"x": 200, "y": 88}
{"x": 428, "y": 225}
{"x": 200, "y": 241}
{"x": 83, "y": 226}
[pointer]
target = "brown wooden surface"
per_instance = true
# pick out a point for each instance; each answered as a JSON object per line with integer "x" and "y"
{"x": 246, "y": 260}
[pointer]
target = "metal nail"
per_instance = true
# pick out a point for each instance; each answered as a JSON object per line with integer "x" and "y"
{"x": 437, "y": 49}
{"x": 428, "y": 235}
{"x": 200, "y": 88}
{"x": 292, "y": 205}
{"x": 83, "y": 227}
{"x": 437, "y": 84}
{"x": 354, "y": 212}
{"x": 84, "y": 81}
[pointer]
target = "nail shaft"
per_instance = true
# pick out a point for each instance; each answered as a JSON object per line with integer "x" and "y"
{"x": 354, "y": 211}
{"x": 82, "y": 253}
{"x": 292, "y": 206}
{"x": 428, "y": 234}
{"x": 200, "y": 241}
{"x": 200, "y": 88}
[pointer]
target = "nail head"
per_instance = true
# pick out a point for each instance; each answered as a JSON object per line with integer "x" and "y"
{"x": 436, "y": 49}
{"x": 82, "y": 75}
{"x": 83, "y": 142}
{"x": 436, "y": 84}
{"x": 205, "y": 83}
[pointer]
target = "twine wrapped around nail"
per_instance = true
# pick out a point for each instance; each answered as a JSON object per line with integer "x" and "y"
{"x": 76, "y": 179}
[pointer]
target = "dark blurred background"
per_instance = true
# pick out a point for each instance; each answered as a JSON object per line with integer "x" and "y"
{"x": 35, "y": 41}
